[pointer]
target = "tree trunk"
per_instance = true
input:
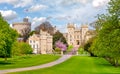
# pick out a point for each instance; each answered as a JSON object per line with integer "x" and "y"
{"x": 61, "y": 52}
{"x": 116, "y": 63}
{"x": 5, "y": 59}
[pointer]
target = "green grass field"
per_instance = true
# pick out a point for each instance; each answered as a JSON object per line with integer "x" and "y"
{"x": 78, "y": 65}
{"x": 26, "y": 61}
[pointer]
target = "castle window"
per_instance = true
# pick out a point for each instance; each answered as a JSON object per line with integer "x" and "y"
{"x": 78, "y": 42}
{"x": 30, "y": 41}
{"x": 37, "y": 46}
{"x": 78, "y": 36}
{"x": 34, "y": 41}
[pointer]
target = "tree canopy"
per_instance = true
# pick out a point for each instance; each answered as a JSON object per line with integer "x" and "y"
{"x": 58, "y": 36}
{"x": 107, "y": 43}
{"x": 45, "y": 26}
{"x": 7, "y": 37}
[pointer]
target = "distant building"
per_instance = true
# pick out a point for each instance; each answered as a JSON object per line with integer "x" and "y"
{"x": 77, "y": 36}
{"x": 41, "y": 43}
{"x": 23, "y": 28}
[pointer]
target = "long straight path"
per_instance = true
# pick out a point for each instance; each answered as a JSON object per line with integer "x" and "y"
{"x": 60, "y": 60}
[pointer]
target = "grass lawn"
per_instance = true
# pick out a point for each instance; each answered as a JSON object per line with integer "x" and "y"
{"x": 78, "y": 65}
{"x": 26, "y": 61}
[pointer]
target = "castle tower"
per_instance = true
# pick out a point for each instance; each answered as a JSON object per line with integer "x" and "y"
{"x": 43, "y": 41}
{"x": 84, "y": 29}
{"x": 71, "y": 29}
{"x": 22, "y": 27}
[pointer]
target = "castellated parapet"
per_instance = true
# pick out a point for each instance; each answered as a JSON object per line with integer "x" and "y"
{"x": 22, "y": 27}
{"x": 76, "y": 36}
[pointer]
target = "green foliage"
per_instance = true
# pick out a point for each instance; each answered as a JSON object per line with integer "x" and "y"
{"x": 80, "y": 50}
{"x": 31, "y": 33}
{"x": 58, "y": 36}
{"x": 69, "y": 48}
{"x": 88, "y": 45}
{"x": 21, "y": 48}
{"x": 107, "y": 43}
{"x": 58, "y": 50}
{"x": 7, "y": 37}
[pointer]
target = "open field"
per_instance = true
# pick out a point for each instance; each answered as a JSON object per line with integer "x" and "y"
{"x": 78, "y": 65}
{"x": 26, "y": 61}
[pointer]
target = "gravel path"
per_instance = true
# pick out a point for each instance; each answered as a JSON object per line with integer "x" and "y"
{"x": 60, "y": 60}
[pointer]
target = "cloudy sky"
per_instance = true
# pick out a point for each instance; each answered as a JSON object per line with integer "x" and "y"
{"x": 57, "y": 12}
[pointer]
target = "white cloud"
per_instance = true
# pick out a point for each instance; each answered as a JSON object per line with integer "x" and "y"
{"x": 37, "y": 21}
{"x": 8, "y": 14}
{"x": 99, "y": 3}
{"x": 18, "y": 3}
{"x": 35, "y": 8}
{"x": 9, "y": 1}
{"x": 68, "y": 2}
{"x": 23, "y": 3}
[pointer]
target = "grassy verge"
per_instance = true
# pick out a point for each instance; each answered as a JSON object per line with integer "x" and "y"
{"x": 26, "y": 61}
{"x": 78, "y": 65}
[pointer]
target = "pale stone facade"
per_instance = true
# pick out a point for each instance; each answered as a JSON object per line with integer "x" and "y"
{"x": 22, "y": 27}
{"x": 76, "y": 36}
{"x": 41, "y": 43}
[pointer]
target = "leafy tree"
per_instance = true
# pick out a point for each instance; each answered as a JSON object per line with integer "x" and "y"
{"x": 61, "y": 45}
{"x": 21, "y": 48}
{"x": 88, "y": 45}
{"x": 107, "y": 43}
{"x": 58, "y": 36}
{"x": 26, "y": 34}
{"x": 7, "y": 37}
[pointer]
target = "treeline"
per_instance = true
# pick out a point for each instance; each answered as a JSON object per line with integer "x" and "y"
{"x": 106, "y": 43}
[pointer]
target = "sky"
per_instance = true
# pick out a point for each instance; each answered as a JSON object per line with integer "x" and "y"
{"x": 57, "y": 12}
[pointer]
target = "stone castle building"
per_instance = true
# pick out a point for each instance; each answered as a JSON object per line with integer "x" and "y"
{"x": 22, "y": 27}
{"x": 41, "y": 43}
{"x": 77, "y": 36}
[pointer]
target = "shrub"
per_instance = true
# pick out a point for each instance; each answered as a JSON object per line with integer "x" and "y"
{"x": 21, "y": 48}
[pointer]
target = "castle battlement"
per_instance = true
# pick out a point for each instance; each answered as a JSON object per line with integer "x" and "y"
{"x": 76, "y": 35}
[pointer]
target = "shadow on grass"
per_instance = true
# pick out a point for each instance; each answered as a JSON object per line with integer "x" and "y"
{"x": 5, "y": 63}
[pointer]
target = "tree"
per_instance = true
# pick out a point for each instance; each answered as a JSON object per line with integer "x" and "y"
{"x": 60, "y": 45}
{"x": 107, "y": 43}
{"x": 88, "y": 45}
{"x": 21, "y": 48}
{"x": 45, "y": 26}
{"x": 26, "y": 33}
{"x": 7, "y": 37}
{"x": 58, "y": 36}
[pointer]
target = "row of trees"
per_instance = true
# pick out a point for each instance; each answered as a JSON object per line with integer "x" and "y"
{"x": 107, "y": 41}
{"x": 8, "y": 41}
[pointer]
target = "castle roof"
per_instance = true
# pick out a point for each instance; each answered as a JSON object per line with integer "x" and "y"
{"x": 84, "y": 26}
{"x": 70, "y": 25}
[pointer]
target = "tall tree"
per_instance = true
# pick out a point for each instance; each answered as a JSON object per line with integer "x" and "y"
{"x": 45, "y": 26}
{"x": 107, "y": 43}
{"x": 7, "y": 37}
{"x": 58, "y": 36}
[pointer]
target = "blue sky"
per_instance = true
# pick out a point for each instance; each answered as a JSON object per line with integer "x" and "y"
{"x": 57, "y": 12}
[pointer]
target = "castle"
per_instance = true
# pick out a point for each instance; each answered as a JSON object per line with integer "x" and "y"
{"x": 22, "y": 27}
{"x": 77, "y": 36}
{"x": 41, "y": 43}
